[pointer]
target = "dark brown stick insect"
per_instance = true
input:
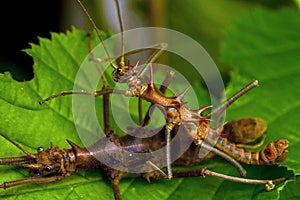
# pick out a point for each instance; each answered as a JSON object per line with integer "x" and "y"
{"x": 55, "y": 164}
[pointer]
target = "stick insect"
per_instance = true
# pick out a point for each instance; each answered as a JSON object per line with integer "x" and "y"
{"x": 54, "y": 164}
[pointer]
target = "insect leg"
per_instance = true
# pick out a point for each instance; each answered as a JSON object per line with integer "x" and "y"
{"x": 235, "y": 163}
{"x": 116, "y": 177}
{"x": 269, "y": 184}
{"x": 106, "y": 120}
{"x": 13, "y": 160}
{"x": 168, "y": 149}
{"x": 233, "y": 98}
{"x": 153, "y": 166}
{"x": 95, "y": 93}
{"x": 31, "y": 180}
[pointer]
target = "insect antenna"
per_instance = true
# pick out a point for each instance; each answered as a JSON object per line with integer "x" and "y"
{"x": 28, "y": 154}
{"x": 122, "y": 61}
{"x": 98, "y": 33}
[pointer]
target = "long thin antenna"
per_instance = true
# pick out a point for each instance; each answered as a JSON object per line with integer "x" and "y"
{"x": 98, "y": 33}
{"x": 18, "y": 146}
{"x": 122, "y": 62}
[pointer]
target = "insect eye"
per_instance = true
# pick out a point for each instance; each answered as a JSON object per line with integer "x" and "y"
{"x": 40, "y": 149}
{"x": 48, "y": 168}
{"x": 119, "y": 69}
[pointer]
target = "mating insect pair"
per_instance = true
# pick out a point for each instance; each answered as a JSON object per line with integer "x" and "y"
{"x": 54, "y": 164}
{"x": 63, "y": 162}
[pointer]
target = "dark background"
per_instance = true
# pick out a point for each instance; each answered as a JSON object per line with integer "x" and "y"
{"x": 22, "y": 22}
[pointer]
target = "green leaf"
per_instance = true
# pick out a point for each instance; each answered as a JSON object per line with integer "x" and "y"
{"x": 265, "y": 45}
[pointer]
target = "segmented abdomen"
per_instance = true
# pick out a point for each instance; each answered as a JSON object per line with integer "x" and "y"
{"x": 274, "y": 152}
{"x": 238, "y": 153}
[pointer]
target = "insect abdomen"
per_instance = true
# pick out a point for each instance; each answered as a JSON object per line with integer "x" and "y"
{"x": 273, "y": 153}
{"x": 238, "y": 153}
